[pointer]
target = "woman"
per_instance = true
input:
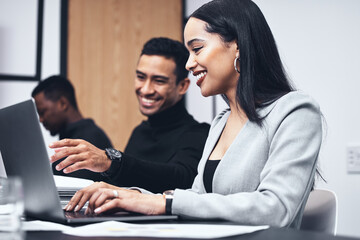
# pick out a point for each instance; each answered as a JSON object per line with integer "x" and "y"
{"x": 260, "y": 157}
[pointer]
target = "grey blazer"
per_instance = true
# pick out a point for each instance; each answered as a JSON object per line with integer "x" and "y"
{"x": 266, "y": 174}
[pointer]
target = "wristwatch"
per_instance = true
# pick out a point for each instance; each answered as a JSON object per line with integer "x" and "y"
{"x": 113, "y": 154}
{"x": 169, "y": 196}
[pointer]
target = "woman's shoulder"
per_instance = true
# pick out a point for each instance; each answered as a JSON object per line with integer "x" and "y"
{"x": 290, "y": 102}
{"x": 297, "y": 100}
{"x": 298, "y": 97}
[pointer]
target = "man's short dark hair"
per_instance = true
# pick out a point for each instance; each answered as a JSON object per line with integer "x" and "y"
{"x": 55, "y": 87}
{"x": 170, "y": 49}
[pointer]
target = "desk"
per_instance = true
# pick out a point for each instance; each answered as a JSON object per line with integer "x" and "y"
{"x": 268, "y": 234}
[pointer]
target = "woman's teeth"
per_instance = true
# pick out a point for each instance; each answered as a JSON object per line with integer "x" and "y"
{"x": 200, "y": 75}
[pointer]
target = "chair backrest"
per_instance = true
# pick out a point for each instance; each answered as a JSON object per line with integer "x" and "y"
{"x": 320, "y": 213}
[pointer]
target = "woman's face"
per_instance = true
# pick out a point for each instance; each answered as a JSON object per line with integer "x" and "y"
{"x": 211, "y": 59}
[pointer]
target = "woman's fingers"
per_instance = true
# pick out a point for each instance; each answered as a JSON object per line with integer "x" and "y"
{"x": 90, "y": 207}
{"x": 109, "y": 205}
{"x": 101, "y": 196}
{"x": 80, "y": 198}
{"x": 104, "y": 197}
{"x": 73, "y": 203}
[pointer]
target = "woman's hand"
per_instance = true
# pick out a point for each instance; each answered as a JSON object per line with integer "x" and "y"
{"x": 78, "y": 201}
{"x": 105, "y": 199}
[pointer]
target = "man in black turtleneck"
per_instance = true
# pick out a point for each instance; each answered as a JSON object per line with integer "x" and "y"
{"x": 163, "y": 152}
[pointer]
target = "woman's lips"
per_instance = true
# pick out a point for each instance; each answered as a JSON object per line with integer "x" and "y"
{"x": 200, "y": 78}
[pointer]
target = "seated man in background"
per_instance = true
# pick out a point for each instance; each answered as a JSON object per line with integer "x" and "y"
{"x": 163, "y": 152}
{"x": 58, "y": 111}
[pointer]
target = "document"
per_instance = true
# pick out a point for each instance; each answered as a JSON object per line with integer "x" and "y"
{"x": 120, "y": 229}
{"x": 69, "y": 184}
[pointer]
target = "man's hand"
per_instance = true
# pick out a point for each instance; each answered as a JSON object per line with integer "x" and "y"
{"x": 79, "y": 155}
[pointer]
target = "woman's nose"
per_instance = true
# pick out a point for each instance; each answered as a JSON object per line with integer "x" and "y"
{"x": 191, "y": 63}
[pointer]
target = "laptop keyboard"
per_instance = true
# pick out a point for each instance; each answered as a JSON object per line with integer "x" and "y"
{"x": 81, "y": 214}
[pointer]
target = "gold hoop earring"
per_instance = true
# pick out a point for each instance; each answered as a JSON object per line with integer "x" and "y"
{"x": 236, "y": 59}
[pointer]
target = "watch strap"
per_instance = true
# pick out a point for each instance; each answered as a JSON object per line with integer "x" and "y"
{"x": 168, "y": 206}
{"x": 169, "y": 196}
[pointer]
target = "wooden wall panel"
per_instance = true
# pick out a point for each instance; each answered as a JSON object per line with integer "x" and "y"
{"x": 104, "y": 42}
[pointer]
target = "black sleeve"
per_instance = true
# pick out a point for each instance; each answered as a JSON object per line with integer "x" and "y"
{"x": 98, "y": 138}
{"x": 178, "y": 172}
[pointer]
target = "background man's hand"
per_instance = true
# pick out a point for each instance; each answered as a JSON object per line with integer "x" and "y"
{"x": 79, "y": 154}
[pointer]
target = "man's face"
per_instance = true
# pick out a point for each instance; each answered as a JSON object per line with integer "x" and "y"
{"x": 155, "y": 84}
{"x": 50, "y": 113}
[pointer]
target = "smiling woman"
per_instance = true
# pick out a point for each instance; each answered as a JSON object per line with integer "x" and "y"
{"x": 265, "y": 144}
{"x": 210, "y": 50}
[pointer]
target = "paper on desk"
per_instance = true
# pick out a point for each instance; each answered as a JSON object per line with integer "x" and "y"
{"x": 64, "y": 183}
{"x": 120, "y": 229}
{"x": 38, "y": 225}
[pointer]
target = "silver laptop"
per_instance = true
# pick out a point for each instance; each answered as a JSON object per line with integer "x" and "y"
{"x": 24, "y": 154}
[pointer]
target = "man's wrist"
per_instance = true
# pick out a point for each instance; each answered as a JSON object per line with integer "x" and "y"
{"x": 114, "y": 158}
{"x": 107, "y": 162}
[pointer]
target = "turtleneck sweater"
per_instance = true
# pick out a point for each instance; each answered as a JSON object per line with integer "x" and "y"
{"x": 162, "y": 152}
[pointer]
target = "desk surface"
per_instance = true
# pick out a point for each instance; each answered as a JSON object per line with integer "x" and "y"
{"x": 268, "y": 234}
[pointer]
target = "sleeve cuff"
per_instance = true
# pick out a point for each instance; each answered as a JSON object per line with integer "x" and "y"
{"x": 114, "y": 168}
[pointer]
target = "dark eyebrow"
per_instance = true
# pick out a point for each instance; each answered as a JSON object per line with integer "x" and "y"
{"x": 160, "y": 77}
{"x": 139, "y": 72}
{"x": 153, "y": 76}
{"x": 194, "y": 40}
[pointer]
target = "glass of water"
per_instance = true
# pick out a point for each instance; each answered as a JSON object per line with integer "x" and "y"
{"x": 11, "y": 204}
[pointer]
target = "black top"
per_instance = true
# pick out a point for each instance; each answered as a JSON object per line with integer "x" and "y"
{"x": 209, "y": 171}
{"x": 162, "y": 153}
{"x": 85, "y": 129}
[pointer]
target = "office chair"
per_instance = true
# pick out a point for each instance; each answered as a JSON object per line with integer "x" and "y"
{"x": 320, "y": 213}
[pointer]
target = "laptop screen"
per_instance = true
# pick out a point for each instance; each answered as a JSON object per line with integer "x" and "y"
{"x": 24, "y": 154}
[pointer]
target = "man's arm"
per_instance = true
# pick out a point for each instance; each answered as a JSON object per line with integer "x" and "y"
{"x": 157, "y": 176}
{"x": 178, "y": 172}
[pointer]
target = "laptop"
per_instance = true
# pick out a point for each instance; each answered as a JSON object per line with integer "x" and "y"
{"x": 24, "y": 154}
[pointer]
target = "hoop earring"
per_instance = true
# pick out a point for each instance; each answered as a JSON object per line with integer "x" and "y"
{"x": 238, "y": 59}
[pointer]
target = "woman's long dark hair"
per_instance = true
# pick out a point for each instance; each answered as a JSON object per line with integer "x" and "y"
{"x": 262, "y": 76}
